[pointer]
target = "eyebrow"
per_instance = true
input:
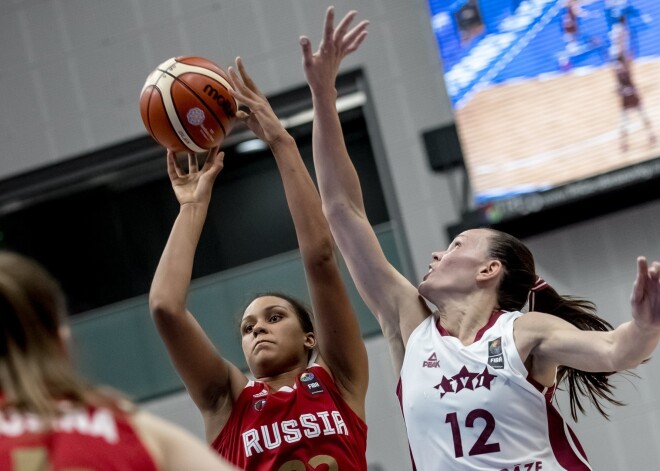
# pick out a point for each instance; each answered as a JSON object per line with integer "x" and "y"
{"x": 266, "y": 309}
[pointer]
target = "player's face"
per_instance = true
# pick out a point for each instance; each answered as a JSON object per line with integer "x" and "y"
{"x": 272, "y": 338}
{"x": 455, "y": 270}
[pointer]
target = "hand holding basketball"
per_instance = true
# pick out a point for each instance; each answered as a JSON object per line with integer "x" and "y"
{"x": 260, "y": 117}
{"x": 196, "y": 185}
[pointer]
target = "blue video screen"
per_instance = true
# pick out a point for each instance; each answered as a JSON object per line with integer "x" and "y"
{"x": 549, "y": 92}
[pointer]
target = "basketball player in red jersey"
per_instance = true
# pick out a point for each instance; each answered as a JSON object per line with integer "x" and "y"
{"x": 626, "y": 89}
{"x": 630, "y": 101}
{"x": 52, "y": 420}
{"x": 570, "y": 26}
{"x": 306, "y": 407}
{"x": 477, "y": 376}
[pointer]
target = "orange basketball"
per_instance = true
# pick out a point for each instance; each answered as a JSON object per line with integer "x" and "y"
{"x": 186, "y": 106}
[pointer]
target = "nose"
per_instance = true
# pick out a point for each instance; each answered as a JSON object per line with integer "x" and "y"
{"x": 258, "y": 329}
{"x": 437, "y": 256}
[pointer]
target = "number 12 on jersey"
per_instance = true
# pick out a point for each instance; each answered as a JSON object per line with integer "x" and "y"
{"x": 481, "y": 446}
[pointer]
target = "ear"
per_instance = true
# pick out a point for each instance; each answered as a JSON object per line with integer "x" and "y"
{"x": 310, "y": 340}
{"x": 490, "y": 270}
{"x": 65, "y": 338}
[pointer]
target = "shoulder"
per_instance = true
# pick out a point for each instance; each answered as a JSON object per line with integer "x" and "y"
{"x": 534, "y": 328}
{"x": 150, "y": 429}
{"x": 539, "y": 323}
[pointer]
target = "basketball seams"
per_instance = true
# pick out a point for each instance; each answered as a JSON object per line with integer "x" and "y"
{"x": 151, "y": 89}
{"x": 187, "y": 68}
{"x": 182, "y": 69}
{"x": 147, "y": 120}
{"x": 201, "y": 100}
{"x": 169, "y": 122}
{"x": 219, "y": 79}
{"x": 180, "y": 130}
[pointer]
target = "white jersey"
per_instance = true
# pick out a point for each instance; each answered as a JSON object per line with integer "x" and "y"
{"x": 473, "y": 407}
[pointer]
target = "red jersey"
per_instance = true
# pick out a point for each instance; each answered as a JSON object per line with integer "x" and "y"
{"x": 299, "y": 428}
{"x": 81, "y": 438}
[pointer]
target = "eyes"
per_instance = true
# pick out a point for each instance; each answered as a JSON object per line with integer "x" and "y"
{"x": 272, "y": 318}
{"x": 455, "y": 244}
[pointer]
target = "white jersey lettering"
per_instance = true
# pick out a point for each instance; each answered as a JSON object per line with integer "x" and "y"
{"x": 100, "y": 423}
{"x": 271, "y": 443}
{"x": 272, "y": 436}
{"x": 328, "y": 430}
{"x": 251, "y": 442}
{"x": 308, "y": 421}
{"x": 339, "y": 423}
{"x": 291, "y": 431}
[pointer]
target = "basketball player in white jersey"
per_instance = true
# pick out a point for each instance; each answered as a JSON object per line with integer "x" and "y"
{"x": 477, "y": 375}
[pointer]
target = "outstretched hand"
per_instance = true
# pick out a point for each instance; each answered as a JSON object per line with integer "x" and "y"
{"x": 260, "y": 117}
{"x": 196, "y": 185}
{"x": 645, "y": 299}
{"x": 321, "y": 67}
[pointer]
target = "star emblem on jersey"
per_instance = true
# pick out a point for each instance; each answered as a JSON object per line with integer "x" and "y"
{"x": 465, "y": 380}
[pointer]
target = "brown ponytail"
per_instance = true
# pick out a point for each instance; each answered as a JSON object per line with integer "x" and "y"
{"x": 519, "y": 278}
{"x": 582, "y": 314}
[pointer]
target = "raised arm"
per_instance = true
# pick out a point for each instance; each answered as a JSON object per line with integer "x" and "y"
{"x": 211, "y": 381}
{"x": 338, "y": 333}
{"x": 554, "y": 342}
{"x": 390, "y": 296}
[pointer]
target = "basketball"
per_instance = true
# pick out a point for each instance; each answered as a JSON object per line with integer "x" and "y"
{"x": 186, "y": 106}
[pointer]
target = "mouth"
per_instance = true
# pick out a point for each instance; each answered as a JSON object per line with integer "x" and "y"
{"x": 427, "y": 273}
{"x": 260, "y": 342}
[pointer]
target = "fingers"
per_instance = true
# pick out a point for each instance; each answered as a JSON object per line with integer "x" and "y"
{"x": 242, "y": 92}
{"x": 193, "y": 165}
{"x": 328, "y": 27}
{"x": 214, "y": 161}
{"x": 352, "y": 47}
{"x": 354, "y": 38}
{"x": 173, "y": 170}
{"x": 306, "y": 46}
{"x": 640, "y": 281}
{"x": 239, "y": 89}
{"x": 654, "y": 271}
{"x": 242, "y": 115}
{"x": 247, "y": 80}
{"x": 343, "y": 25}
{"x": 210, "y": 158}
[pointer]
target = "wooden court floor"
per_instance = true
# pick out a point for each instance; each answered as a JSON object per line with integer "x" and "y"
{"x": 556, "y": 130}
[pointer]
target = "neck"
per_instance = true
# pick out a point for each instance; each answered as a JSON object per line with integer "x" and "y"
{"x": 465, "y": 318}
{"x": 286, "y": 378}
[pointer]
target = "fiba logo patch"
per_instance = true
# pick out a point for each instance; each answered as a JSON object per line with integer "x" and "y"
{"x": 311, "y": 383}
{"x": 259, "y": 405}
{"x": 495, "y": 357}
{"x": 195, "y": 116}
{"x": 306, "y": 377}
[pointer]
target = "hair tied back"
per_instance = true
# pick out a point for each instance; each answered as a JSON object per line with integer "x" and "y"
{"x": 539, "y": 285}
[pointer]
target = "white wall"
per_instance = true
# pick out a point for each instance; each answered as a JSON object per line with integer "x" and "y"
{"x": 71, "y": 72}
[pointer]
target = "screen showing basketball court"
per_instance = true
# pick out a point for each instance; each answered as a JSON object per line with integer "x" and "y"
{"x": 549, "y": 92}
